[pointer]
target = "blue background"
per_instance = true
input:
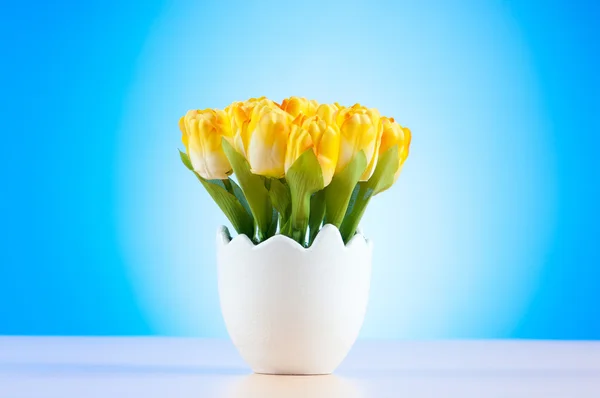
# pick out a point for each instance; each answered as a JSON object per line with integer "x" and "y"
{"x": 491, "y": 232}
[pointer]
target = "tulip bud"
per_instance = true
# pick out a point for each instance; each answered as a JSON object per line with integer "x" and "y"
{"x": 239, "y": 113}
{"x": 201, "y": 133}
{"x": 326, "y": 144}
{"x": 264, "y": 140}
{"x": 299, "y": 142}
{"x": 360, "y": 130}
{"x": 299, "y": 105}
{"x": 394, "y": 134}
{"x": 328, "y": 112}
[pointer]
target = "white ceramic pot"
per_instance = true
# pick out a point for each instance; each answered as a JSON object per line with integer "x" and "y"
{"x": 289, "y": 309}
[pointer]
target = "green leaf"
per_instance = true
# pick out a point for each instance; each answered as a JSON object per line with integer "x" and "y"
{"x": 233, "y": 188}
{"x": 317, "y": 212}
{"x": 222, "y": 192}
{"x": 228, "y": 186}
{"x": 239, "y": 194}
{"x": 382, "y": 179}
{"x": 285, "y": 227}
{"x": 304, "y": 178}
{"x": 339, "y": 191}
{"x": 273, "y": 227}
{"x": 350, "y": 223}
{"x": 254, "y": 191}
{"x": 280, "y": 195}
{"x": 352, "y": 201}
{"x": 383, "y": 176}
{"x": 230, "y": 205}
{"x": 186, "y": 160}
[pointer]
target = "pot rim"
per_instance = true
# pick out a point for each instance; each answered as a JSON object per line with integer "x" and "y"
{"x": 329, "y": 234}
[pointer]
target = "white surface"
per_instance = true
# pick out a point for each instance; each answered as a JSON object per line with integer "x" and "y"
{"x": 290, "y": 309}
{"x": 167, "y": 367}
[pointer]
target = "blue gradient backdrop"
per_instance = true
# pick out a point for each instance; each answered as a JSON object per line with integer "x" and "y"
{"x": 492, "y": 231}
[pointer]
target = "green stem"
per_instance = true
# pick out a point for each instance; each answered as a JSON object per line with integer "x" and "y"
{"x": 351, "y": 221}
{"x": 228, "y": 186}
{"x": 300, "y": 214}
{"x": 304, "y": 178}
{"x": 382, "y": 179}
{"x": 317, "y": 212}
{"x": 254, "y": 190}
{"x": 339, "y": 191}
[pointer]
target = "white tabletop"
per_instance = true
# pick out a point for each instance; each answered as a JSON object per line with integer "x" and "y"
{"x": 169, "y": 367}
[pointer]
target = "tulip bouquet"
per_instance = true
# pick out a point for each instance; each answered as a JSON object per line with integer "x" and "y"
{"x": 298, "y": 164}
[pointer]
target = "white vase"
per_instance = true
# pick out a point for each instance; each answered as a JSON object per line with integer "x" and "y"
{"x": 289, "y": 309}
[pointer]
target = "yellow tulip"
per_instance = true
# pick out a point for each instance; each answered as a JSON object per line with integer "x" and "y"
{"x": 360, "y": 130}
{"x": 299, "y": 141}
{"x": 201, "y": 133}
{"x": 394, "y": 134}
{"x": 264, "y": 139}
{"x": 326, "y": 144}
{"x": 328, "y": 112}
{"x": 299, "y": 105}
{"x": 239, "y": 113}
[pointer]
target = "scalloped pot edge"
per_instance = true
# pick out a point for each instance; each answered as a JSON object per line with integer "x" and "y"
{"x": 329, "y": 236}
